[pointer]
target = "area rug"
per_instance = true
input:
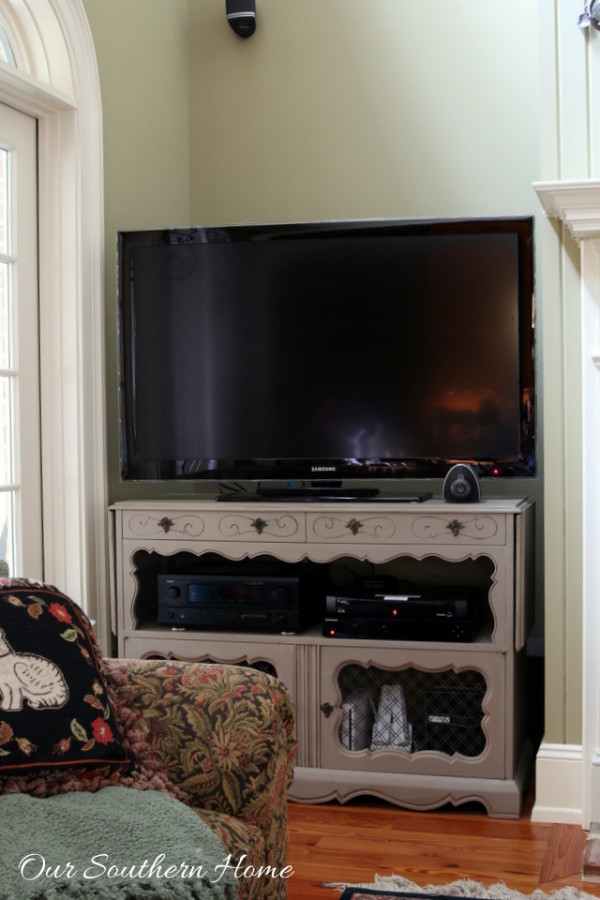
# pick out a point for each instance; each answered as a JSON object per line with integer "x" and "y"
{"x": 397, "y": 886}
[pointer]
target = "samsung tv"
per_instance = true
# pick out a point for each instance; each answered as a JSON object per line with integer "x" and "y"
{"x": 327, "y": 353}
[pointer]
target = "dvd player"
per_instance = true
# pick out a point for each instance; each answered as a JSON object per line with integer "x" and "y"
{"x": 447, "y": 603}
{"x": 442, "y": 613}
{"x": 366, "y": 628}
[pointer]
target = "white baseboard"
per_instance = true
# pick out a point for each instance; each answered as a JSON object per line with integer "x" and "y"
{"x": 558, "y": 784}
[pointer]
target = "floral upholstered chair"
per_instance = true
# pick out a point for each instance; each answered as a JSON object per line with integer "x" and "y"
{"x": 216, "y": 742}
{"x": 226, "y": 736}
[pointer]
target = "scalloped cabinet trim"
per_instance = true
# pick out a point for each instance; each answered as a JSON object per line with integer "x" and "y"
{"x": 449, "y": 687}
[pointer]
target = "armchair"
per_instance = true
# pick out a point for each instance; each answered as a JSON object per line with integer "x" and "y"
{"x": 226, "y": 736}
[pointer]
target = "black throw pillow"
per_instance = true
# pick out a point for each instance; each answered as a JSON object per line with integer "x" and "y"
{"x": 54, "y": 708}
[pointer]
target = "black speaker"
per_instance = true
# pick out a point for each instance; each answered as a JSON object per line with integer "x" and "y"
{"x": 241, "y": 15}
{"x": 461, "y": 485}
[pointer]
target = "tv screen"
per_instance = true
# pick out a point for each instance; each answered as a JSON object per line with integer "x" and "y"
{"x": 327, "y": 350}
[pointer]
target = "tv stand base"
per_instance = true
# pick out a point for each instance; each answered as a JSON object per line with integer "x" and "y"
{"x": 466, "y": 700}
{"x": 317, "y": 492}
{"x": 322, "y": 495}
{"x": 502, "y": 799}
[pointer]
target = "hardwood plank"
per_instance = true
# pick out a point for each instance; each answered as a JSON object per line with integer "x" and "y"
{"x": 564, "y": 856}
{"x": 333, "y": 842}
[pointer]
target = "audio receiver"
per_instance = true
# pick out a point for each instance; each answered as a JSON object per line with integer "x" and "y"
{"x": 245, "y": 602}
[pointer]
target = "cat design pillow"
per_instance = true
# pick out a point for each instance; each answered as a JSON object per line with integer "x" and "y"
{"x": 54, "y": 708}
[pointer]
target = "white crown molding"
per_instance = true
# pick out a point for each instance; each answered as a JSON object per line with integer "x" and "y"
{"x": 576, "y": 203}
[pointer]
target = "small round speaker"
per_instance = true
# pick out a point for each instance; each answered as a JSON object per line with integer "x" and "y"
{"x": 461, "y": 485}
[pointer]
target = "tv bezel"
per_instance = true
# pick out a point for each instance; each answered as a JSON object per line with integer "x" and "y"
{"x": 320, "y": 470}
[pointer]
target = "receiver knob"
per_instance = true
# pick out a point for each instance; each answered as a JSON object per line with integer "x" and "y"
{"x": 280, "y": 595}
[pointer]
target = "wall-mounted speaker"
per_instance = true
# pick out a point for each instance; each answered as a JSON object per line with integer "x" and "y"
{"x": 241, "y": 15}
{"x": 461, "y": 485}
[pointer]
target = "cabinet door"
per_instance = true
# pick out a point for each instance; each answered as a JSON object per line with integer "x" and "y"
{"x": 426, "y": 712}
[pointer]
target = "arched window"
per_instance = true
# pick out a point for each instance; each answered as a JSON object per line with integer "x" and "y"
{"x": 56, "y": 81}
{"x": 6, "y": 50}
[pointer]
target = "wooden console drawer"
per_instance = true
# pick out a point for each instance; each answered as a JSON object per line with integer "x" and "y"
{"x": 463, "y": 528}
{"x": 397, "y": 528}
{"x": 177, "y": 525}
{"x": 170, "y": 525}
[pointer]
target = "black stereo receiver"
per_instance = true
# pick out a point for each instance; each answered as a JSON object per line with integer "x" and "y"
{"x": 245, "y": 602}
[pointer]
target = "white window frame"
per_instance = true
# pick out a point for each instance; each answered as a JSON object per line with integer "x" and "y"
{"x": 22, "y": 489}
{"x": 56, "y": 81}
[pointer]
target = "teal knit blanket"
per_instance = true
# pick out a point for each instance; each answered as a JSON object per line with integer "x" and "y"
{"x": 117, "y": 842}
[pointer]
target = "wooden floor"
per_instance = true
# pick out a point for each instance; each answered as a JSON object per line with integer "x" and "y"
{"x": 352, "y": 842}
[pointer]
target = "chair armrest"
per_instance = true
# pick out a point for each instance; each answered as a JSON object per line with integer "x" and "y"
{"x": 225, "y": 734}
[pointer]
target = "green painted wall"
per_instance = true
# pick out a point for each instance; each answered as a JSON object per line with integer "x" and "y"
{"x": 142, "y": 52}
{"x": 341, "y": 108}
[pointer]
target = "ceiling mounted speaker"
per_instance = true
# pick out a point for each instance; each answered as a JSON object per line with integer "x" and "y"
{"x": 461, "y": 485}
{"x": 241, "y": 15}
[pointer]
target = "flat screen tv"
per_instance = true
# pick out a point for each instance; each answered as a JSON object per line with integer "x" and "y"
{"x": 331, "y": 352}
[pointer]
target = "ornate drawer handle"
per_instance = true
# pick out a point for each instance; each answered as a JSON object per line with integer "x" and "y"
{"x": 326, "y": 709}
{"x": 455, "y": 527}
{"x": 354, "y": 525}
{"x": 166, "y": 524}
{"x": 259, "y": 525}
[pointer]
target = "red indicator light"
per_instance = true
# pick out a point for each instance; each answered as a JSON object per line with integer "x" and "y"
{"x": 332, "y": 632}
{"x": 495, "y": 470}
{"x": 394, "y": 612}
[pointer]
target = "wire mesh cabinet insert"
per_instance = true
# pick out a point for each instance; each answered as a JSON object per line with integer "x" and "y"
{"x": 427, "y": 712}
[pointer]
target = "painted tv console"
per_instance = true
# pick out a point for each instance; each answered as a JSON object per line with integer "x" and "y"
{"x": 459, "y": 713}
